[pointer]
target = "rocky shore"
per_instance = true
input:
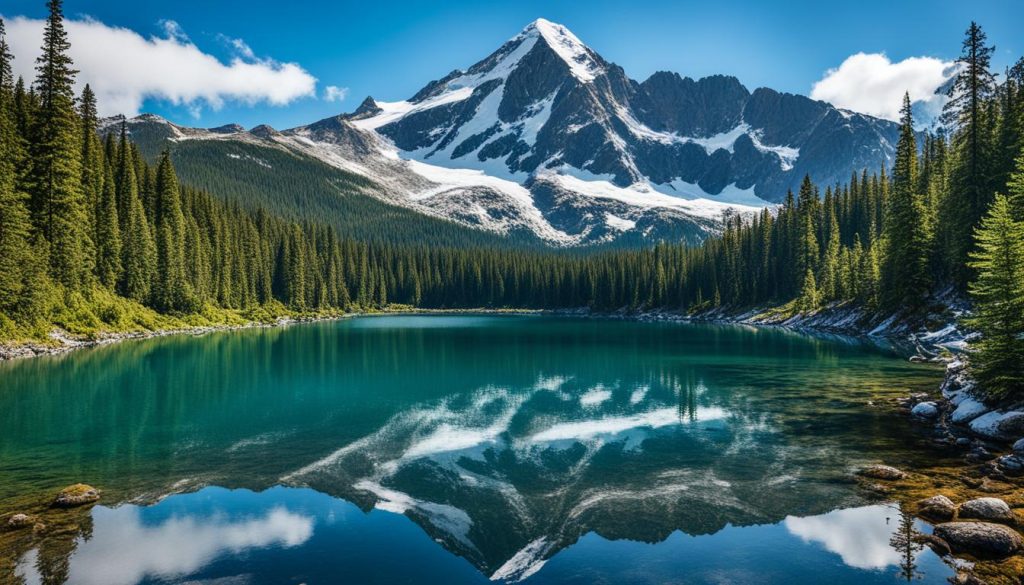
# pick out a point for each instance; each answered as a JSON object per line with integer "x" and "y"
{"x": 977, "y": 507}
{"x": 61, "y": 342}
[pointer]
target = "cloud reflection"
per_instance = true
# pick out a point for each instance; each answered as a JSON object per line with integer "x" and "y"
{"x": 860, "y": 536}
{"x": 177, "y": 547}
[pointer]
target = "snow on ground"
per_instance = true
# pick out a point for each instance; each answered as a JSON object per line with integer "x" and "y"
{"x": 618, "y": 223}
{"x": 446, "y": 179}
{"x": 723, "y": 141}
{"x": 645, "y": 196}
{"x": 394, "y": 111}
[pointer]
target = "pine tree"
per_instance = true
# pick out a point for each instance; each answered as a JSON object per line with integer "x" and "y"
{"x": 905, "y": 278}
{"x": 808, "y": 300}
{"x": 58, "y": 205}
{"x": 998, "y": 295}
{"x": 831, "y": 268}
{"x": 969, "y": 193}
{"x": 1015, "y": 189}
{"x": 171, "y": 291}
{"x": 15, "y": 251}
{"x": 108, "y": 233}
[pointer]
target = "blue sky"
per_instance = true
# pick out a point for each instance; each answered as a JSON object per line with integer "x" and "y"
{"x": 391, "y": 49}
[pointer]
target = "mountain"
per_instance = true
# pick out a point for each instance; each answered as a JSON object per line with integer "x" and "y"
{"x": 546, "y": 139}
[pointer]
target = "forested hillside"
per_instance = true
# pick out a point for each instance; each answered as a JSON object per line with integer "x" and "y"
{"x": 93, "y": 237}
{"x": 300, "y": 188}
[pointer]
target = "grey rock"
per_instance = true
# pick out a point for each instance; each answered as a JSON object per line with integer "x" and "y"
{"x": 1001, "y": 426}
{"x": 967, "y": 409}
{"x": 992, "y": 509}
{"x": 979, "y": 454}
{"x": 981, "y": 539}
{"x": 936, "y": 508}
{"x": 1018, "y": 447}
{"x": 1011, "y": 465}
{"x": 925, "y": 410}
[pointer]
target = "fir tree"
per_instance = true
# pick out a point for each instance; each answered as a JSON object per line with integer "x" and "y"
{"x": 108, "y": 233}
{"x": 969, "y": 193}
{"x": 906, "y": 281}
{"x": 998, "y": 295}
{"x": 808, "y": 300}
{"x": 1015, "y": 189}
{"x": 15, "y": 252}
{"x": 171, "y": 291}
{"x": 58, "y": 205}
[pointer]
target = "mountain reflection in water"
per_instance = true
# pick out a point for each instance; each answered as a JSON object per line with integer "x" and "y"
{"x": 466, "y": 449}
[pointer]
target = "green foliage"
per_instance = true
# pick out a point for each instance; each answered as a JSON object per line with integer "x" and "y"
{"x": 998, "y": 295}
{"x": 56, "y": 159}
{"x": 907, "y": 281}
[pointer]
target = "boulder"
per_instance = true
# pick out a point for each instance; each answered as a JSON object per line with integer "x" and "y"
{"x": 1018, "y": 447}
{"x": 978, "y": 454}
{"x": 882, "y": 472}
{"x": 1012, "y": 465}
{"x": 936, "y": 508}
{"x": 938, "y": 546}
{"x": 992, "y": 509}
{"x": 1001, "y": 426}
{"x": 981, "y": 539}
{"x": 19, "y": 521}
{"x": 925, "y": 410}
{"x": 79, "y": 494}
{"x": 967, "y": 410}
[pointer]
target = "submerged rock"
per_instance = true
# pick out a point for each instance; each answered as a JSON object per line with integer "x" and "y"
{"x": 882, "y": 472}
{"x": 926, "y": 410}
{"x": 981, "y": 539}
{"x": 992, "y": 509}
{"x": 936, "y": 508}
{"x": 19, "y": 521}
{"x": 76, "y": 495}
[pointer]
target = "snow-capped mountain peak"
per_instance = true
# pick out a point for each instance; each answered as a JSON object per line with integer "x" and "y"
{"x": 584, "y": 63}
{"x": 545, "y": 136}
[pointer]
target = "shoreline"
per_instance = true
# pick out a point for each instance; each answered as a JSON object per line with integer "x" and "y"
{"x": 62, "y": 342}
{"x": 833, "y": 320}
{"x": 975, "y": 475}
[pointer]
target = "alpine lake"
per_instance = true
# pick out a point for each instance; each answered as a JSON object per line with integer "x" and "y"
{"x": 464, "y": 449}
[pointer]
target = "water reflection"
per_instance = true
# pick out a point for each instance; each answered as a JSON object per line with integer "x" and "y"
{"x": 509, "y": 441}
{"x": 301, "y": 536}
{"x": 175, "y": 547}
{"x": 872, "y": 537}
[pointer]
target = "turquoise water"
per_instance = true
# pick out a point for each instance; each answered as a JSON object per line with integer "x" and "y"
{"x": 464, "y": 449}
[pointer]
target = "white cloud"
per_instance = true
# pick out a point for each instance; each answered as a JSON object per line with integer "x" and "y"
{"x": 124, "y": 68}
{"x": 872, "y": 84}
{"x": 333, "y": 93}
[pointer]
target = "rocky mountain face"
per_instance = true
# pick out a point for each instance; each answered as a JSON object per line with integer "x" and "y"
{"x": 546, "y": 137}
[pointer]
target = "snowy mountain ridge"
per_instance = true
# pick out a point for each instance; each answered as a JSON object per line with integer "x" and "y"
{"x": 546, "y": 137}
